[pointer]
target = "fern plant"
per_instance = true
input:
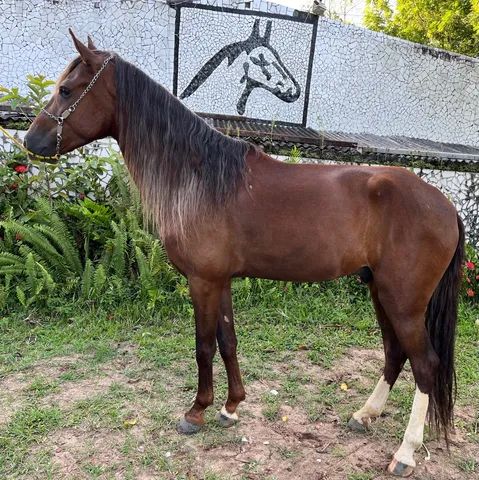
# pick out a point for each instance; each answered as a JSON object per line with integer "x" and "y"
{"x": 116, "y": 250}
{"x": 38, "y": 253}
{"x": 94, "y": 247}
{"x": 47, "y": 239}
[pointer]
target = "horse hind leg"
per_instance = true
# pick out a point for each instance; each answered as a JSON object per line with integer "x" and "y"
{"x": 424, "y": 364}
{"x": 394, "y": 362}
{"x": 409, "y": 326}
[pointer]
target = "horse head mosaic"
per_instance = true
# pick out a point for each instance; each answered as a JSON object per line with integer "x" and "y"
{"x": 262, "y": 66}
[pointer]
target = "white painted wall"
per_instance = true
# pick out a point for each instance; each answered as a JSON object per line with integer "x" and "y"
{"x": 365, "y": 81}
{"x": 362, "y": 81}
{"x": 34, "y": 35}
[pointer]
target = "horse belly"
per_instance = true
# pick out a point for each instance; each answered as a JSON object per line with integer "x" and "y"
{"x": 303, "y": 250}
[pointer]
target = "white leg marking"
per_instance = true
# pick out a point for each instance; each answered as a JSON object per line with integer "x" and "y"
{"x": 232, "y": 416}
{"x": 374, "y": 404}
{"x": 415, "y": 430}
{"x": 226, "y": 319}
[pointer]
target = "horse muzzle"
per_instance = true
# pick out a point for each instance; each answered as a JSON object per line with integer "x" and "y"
{"x": 41, "y": 146}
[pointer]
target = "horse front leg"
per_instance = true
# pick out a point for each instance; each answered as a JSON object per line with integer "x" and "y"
{"x": 227, "y": 343}
{"x": 206, "y": 297}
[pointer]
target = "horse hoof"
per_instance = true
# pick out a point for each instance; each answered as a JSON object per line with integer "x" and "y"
{"x": 187, "y": 428}
{"x": 225, "y": 421}
{"x": 400, "y": 469}
{"x": 356, "y": 426}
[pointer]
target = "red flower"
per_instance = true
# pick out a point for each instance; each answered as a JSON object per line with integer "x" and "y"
{"x": 18, "y": 237}
{"x": 470, "y": 292}
{"x": 470, "y": 265}
{"x": 477, "y": 277}
{"x": 81, "y": 196}
{"x": 13, "y": 186}
{"x": 21, "y": 168}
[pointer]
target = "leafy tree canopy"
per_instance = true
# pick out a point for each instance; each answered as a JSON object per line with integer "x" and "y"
{"x": 449, "y": 24}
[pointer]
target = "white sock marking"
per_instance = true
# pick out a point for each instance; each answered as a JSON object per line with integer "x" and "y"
{"x": 375, "y": 403}
{"x": 232, "y": 416}
{"x": 414, "y": 434}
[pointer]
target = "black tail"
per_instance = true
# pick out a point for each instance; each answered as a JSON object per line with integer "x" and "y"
{"x": 441, "y": 319}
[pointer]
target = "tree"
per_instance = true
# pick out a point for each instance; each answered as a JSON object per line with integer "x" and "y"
{"x": 378, "y": 15}
{"x": 338, "y": 9}
{"x": 449, "y": 24}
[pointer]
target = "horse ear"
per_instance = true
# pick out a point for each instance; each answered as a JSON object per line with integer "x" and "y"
{"x": 91, "y": 45}
{"x": 255, "y": 31}
{"x": 267, "y": 32}
{"x": 86, "y": 54}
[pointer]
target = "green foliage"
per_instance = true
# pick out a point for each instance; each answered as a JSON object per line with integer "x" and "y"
{"x": 451, "y": 25}
{"x": 76, "y": 231}
{"x": 35, "y": 98}
{"x": 57, "y": 244}
{"x": 471, "y": 274}
{"x": 294, "y": 155}
{"x": 377, "y": 15}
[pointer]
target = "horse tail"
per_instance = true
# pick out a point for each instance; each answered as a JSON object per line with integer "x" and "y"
{"x": 441, "y": 320}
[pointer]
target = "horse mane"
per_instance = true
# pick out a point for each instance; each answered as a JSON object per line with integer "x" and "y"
{"x": 183, "y": 168}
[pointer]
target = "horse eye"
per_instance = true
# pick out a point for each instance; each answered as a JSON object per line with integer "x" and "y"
{"x": 65, "y": 92}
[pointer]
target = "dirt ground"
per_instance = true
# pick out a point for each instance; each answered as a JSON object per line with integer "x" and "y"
{"x": 130, "y": 433}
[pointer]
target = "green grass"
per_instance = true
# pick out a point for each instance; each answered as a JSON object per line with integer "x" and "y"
{"x": 42, "y": 386}
{"x": 361, "y": 476}
{"x": 468, "y": 465}
{"x": 276, "y": 325}
{"x": 29, "y": 426}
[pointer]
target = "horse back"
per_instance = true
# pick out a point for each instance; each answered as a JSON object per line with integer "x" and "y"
{"x": 305, "y": 222}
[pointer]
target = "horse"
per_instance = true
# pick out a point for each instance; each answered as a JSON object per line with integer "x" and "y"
{"x": 224, "y": 208}
{"x": 263, "y": 68}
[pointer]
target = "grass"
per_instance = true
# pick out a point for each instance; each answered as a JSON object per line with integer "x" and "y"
{"x": 468, "y": 465}
{"x": 153, "y": 351}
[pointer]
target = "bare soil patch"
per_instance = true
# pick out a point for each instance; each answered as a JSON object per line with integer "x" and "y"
{"x": 74, "y": 448}
{"x": 288, "y": 447}
{"x": 326, "y": 449}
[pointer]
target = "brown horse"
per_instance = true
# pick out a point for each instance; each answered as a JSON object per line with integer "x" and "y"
{"x": 225, "y": 209}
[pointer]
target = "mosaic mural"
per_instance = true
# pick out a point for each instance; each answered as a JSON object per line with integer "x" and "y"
{"x": 34, "y": 35}
{"x": 365, "y": 81}
{"x": 272, "y": 74}
{"x": 246, "y": 67}
{"x": 462, "y": 188}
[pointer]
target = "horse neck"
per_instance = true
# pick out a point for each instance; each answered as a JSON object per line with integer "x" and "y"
{"x": 183, "y": 168}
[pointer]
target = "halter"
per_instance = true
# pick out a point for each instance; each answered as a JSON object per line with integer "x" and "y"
{"x": 66, "y": 113}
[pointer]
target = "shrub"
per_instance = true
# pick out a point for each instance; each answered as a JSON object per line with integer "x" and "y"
{"x": 471, "y": 275}
{"x": 76, "y": 231}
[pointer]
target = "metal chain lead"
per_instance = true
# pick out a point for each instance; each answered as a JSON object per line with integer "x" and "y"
{"x": 66, "y": 113}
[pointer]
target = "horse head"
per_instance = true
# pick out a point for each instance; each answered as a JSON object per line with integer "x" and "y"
{"x": 54, "y": 132}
